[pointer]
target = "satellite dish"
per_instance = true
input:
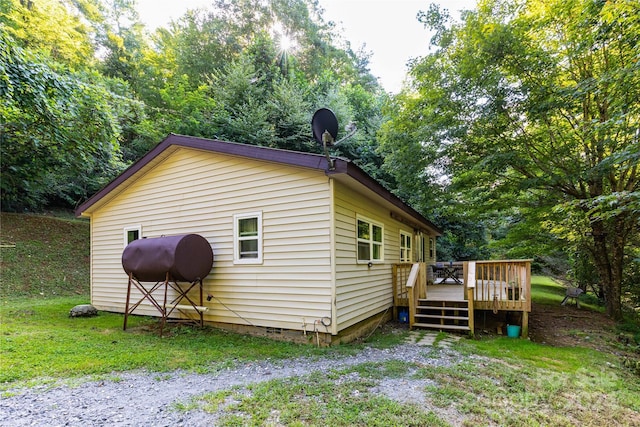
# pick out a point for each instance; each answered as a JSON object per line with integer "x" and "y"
{"x": 325, "y": 130}
{"x": 325, "y": 126}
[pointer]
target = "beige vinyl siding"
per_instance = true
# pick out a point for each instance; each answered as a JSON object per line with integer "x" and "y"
{"x": 199, "y": 192}
{"x": 361, "y": 291}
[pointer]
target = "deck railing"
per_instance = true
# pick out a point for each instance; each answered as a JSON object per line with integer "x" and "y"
{"x": 409, "y": 284}
{"x": 469, "y": 281}
{"x": 502, "y": 285}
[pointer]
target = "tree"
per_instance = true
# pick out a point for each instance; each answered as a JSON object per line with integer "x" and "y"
{"x": 124, "y": 43}
{"x": 80, "y": 104}
{"x": 542, "y": 95}
{"x": 37, "y": 25}
{"x": 59, "y": 130}
{"x": 222, "y": 73}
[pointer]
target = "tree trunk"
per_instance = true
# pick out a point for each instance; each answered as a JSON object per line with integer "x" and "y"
{"x": 608, "y": 257}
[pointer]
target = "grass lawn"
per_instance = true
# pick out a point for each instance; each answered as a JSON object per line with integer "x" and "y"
{"x": 44, "y": 256}
{"x": 496, "y": 381}
{"x": 40, "y": 340}
{"x": 545, "y": 290}
{"x": 500, "y": 381}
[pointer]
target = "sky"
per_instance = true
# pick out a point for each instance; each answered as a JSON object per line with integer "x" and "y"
{"x": 387, "y": 28}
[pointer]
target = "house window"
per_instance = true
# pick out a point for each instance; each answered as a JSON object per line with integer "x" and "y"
{"x": 431, "y": 248}
{"x": 405, "y": 246}
{"x": 247, "y": 241}
{"x": 132, "y": 233}
{"x": 370, "y": 244}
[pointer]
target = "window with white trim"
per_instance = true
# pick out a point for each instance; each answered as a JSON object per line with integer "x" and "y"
{"x": 132, "y": 233}
{"x": 370, "y": 241}
{"x": 247, "y": 238}
{"x": 405, "y": 246}
{"x": 431, "y": 248}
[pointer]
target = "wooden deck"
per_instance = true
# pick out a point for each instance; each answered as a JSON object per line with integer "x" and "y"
{"x": 503, "y": 285}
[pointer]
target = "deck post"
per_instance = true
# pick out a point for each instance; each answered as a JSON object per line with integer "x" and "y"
{"x": 465, "y": 270}
{"x": 525, "y": 324}
{"x": 470, "y": 312}
{"x": 412, "y": 307}
{"x": 422, "y": 280}
{"x": 394, "y": 284}
{"x": 470, "y": 287}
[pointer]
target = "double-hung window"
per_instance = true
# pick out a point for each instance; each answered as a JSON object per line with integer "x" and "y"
{"x": 370, "y": 241}
{"x": 405, "y": 246}
{"x": 132, "y": 233}
{"x": 247, "y": 238}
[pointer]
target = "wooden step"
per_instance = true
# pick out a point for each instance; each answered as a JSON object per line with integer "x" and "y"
{"x": 436, "y": 301}
{"x": 434, "y": 308}
{"x": 439, "y": 326}
{"x": 442, "y": 315}
{"x": 435, "y": 316}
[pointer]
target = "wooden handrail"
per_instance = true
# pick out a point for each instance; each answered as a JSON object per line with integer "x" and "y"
{"x": 414, "y": 292}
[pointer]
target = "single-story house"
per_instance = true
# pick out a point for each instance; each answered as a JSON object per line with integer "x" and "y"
{"x": 300, "y": 249}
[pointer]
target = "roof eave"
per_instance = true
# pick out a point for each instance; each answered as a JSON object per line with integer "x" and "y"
{"x": 351, "y": 169}
{"x": 307, "y": 160}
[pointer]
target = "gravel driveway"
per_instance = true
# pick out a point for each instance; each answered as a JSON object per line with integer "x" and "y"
{"x": 148, "y": 399}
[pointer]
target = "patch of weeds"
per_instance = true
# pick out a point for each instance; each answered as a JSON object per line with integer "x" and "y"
{"x": 315, "y": 400}
{"x": 387, "y": 337}
{"x": 453, "y": 384}
{"x": 379, "y": 370}
{"x": 420, "y": 334}
{"x": 211, "y": 402}
{"x": 44, "y": 383}
{"x": 629, "y": 332}
{"x": 163, "y": 377}
{"x": 185, "y": 406}
{"x": 444, "y": 395}
{"x": 337, "y": 398}
{"x": 439, "y": 337}
{"x": 238, "y": 420}
{"x": 218, "y": 366}
{"x": 579, "y": 334}
{"x": 110, "y": 377}
{"x": 515, "y": 392}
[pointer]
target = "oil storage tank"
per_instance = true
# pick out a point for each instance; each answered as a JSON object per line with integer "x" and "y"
{"x": 186, "y": 258}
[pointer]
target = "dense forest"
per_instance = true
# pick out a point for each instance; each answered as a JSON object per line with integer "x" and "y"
{"x": 518, "y": 135}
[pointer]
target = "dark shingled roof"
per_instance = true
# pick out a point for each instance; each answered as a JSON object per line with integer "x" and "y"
{"x": 293, "y": 158}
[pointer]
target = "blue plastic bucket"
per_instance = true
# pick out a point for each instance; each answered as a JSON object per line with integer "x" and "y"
{"x": 513, "y": 331}
{"x": 403, "y": 315}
